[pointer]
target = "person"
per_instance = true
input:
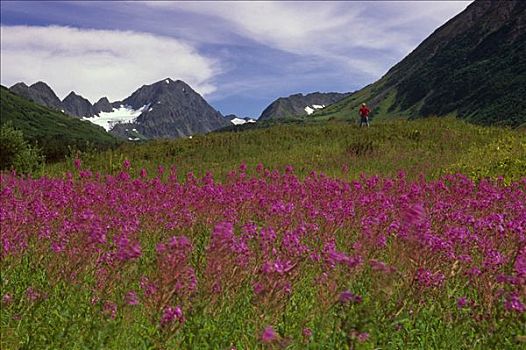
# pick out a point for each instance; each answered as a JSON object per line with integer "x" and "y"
{"x": 364, "y": 115}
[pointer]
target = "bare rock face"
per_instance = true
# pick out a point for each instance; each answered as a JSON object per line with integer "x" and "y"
{"x": 172, "y": 109}
{"x": 39, "y": 93}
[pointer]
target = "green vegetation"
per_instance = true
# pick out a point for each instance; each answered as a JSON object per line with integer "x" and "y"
{"x": 43, "y": 311}
{"x": 340, "y": 149}
{"x": 55, "y": 133}
{"x": 16, "y": 153}
{"x": 505, "y": 157}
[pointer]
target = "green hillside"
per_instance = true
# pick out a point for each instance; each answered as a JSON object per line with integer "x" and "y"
{"x": 430, "y": 146}
{"x": 54, "y": 132}
{"x": 472, "y": 67}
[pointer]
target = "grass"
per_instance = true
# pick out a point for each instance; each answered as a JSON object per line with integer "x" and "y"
{"x": 68, "y": 318}
{"x": 339, "y": 149}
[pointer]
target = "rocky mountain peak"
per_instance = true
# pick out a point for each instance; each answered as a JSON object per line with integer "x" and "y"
{"x": 103, "y": 105}
{"x": 39, "y": 93}
{"x": 78, "y": 106}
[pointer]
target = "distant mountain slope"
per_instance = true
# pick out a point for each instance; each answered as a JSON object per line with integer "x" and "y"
{"x": 52, "y": 130}
{"x": 473, "y": 66}
{"x": 299, "y": 104}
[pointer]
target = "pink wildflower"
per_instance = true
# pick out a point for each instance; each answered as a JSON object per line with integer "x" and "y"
{"x": 307, "y": 332}
{"x": 77, "y": 162}
{"x": 346, "y": 297}
{"x": 7, "y": 299}
{"x": 514, "y": 303}
{"x": 171, "y": 314}
{"x": 32, "y": 294}
{"x": 131, "y": 298}
{"x": 269, "y": 335}
{"x": 461, "y": 302}
{"x": 362, "y": 337}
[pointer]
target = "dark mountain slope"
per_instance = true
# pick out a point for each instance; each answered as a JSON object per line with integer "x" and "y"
{"x": 473, "y": 66}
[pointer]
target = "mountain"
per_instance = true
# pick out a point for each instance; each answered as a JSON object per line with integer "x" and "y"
{"x": 167, "y": 109}
{"x": 300, "y": 105}
{"x": 103, "y": 105}
{"x": 52, "y": 130}
{"x": 39, "y": 93}
{"x": 78, "y": 106}
{"x": 74, "y": 105}
{"x": 472, "y": 67}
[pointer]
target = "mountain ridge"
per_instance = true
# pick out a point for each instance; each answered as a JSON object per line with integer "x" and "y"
{"x": 164, "y": 109}
{"x": 53, "y": 131}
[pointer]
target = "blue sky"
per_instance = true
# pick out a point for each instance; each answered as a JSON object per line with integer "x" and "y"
{"x": 239, "y": 55}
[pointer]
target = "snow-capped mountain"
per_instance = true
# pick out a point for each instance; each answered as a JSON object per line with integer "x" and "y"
{"x": 169, "y": 109}
{"x": 165, "y": 109}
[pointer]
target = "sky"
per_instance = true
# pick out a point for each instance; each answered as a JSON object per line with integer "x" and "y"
{"x": 239, "y": 55}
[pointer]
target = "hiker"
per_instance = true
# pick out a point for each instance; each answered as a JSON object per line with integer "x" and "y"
{"x": 364, "y": 115}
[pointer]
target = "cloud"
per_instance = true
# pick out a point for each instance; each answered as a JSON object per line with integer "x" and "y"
{"x": 355, "y": 35}
{"x": 97, "y": 63}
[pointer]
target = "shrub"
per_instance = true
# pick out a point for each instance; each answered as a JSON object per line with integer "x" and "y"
{"x": 16, "y": 153}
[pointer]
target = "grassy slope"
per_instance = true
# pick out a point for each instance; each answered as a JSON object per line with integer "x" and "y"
{"x": 429, "y": 146}
{"x": 52, "y": 130}
{"x": 477, "y": 74}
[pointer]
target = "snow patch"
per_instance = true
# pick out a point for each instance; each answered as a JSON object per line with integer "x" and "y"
{"x": 239, "y": 121}
{"x": 133, "y": 138}
{"x": 167, "y": 81}
{"x": 123, "y": 114}
{"x": 311, "y": 109}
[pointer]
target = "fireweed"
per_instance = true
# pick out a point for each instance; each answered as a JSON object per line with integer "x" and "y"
{"x": 138, "y": 243}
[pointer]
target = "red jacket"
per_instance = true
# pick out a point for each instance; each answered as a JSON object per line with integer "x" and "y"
{"x": 364, "y": 111}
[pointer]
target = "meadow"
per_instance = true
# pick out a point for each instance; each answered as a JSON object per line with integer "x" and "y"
{"x": 406, "y": 235}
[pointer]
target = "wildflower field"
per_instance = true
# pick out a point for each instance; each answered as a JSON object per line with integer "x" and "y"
{"x": 264, "y": 256}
